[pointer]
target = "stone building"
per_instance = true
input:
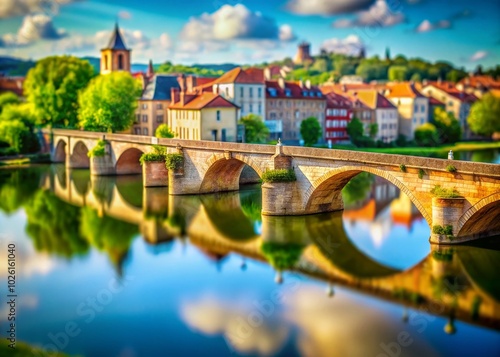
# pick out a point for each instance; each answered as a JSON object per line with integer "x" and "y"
{"x": 116, "y": 56}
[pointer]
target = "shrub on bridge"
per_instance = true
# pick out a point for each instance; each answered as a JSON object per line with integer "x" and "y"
{"x": 279, "y": 175}
{"x": 99, "y": 150}
{"x": 442, "y": 192}
{"x": 402, "y": 167}
{"x": 158, "y": 155}
{"x": 174, "y": 161}
{"x": 451, "y": 168}
{"x": 446, "y": 230}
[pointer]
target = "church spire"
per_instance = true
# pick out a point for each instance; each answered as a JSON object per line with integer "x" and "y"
{"x": 150, "y": 71}
{"x": 116, "y": 41}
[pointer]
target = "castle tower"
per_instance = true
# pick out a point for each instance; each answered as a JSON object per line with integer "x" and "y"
{"x": 303, "y": 53}
{"x": 115, "y": 57}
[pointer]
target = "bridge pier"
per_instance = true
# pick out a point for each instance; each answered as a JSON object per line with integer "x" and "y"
{"x": 154, "y": 174}
{"x": 102, "y": 166}
{"x": 446, "y": 213}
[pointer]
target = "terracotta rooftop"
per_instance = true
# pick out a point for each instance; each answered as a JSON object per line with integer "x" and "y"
{"x": 453, "y": 91}
{"x": 403, "y": 90}
{"x": 482, "y": 80}
{"x": 373, "y": 99}
{"x": 12, "y": 84}
{"x": 335, "y": 100}
{"x": 205, "y": 100}
{"x": 240, "y": 75}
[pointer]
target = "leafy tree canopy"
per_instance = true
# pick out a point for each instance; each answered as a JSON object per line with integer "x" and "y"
{"x": 255, "y": 129}
{"x": 448, "y": 127}
{"x": 8, "y": 98}
{"x": 310, "y": 130}
{"x": 109, "y": 102}
{"x": 163, "y": 131}
{"x": 426, "y": 135}
{"x": 52, "y": 88}
{"x": 484, "y": 116}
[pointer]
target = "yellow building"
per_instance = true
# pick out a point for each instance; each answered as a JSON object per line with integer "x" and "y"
{"x": 202, "y": 116}
{"x": 116, "y": 56}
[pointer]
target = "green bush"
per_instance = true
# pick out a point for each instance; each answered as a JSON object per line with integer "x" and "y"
{"x": 451, "y": 168}
{"x": 99, "y": 150}
{"x": 402, "y": 167}
{"x": 421, "y": 173}
{"x": 158, "y": 155}
{"x": 8, "y": 151}
{"x": 174, "y": 161}
{"x": 446, "y": 230}
{"x": 163, "y": 131}
{"x": 279, "y": 175}
{"x": 442, "y": 192}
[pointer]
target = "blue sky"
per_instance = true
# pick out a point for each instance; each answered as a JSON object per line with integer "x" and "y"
{"x": 217, "y": 31}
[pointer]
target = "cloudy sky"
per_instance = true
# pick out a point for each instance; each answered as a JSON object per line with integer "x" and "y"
{"x": 217, "y": 31}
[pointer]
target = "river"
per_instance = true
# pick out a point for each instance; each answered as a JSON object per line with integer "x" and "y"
{"x": 105, "y": 267}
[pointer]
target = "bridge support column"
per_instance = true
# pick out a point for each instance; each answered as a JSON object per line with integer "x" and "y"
{"x": 102, "y": 166}
{"x": 155, "y": 202}
{"x": 445, "y": 215}
{"x": 280, "y": 199}
{"x": 154, "y": 174}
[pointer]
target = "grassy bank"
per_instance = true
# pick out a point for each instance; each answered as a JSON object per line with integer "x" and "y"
{"x": 440, "y": 151}
{"x": 24, "y": 160}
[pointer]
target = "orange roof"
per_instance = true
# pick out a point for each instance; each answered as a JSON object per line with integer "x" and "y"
{"x": 495, "y": 92}
{"x": 239, "y": 75}
{"x": 373, "y": 99}
{"x": 398, "y": 90}
{"x": 451, "y": 89}
{"x": 484, "y": 81}
{"x": 205, "y": 100}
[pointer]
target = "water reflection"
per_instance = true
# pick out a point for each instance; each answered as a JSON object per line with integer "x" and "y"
{"x": 107, "y": 215}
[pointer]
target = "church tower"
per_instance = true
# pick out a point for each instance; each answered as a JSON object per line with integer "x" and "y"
{"x": 115, "y": 57}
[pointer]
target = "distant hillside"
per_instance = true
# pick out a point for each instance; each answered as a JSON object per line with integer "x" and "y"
{"x": 14, "y": 66}
{"x": 217, "y": 67}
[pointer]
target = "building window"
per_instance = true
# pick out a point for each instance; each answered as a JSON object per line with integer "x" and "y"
{"x": 251, "y": 108}
{"x": 251, "y": 92}
{"x": 159, "y": 106}
{"x": 259, "y": 92}
{"x": 218, "y": 115}
{"x": 260, "y": 108}
{"x": 145, "y": 131}
{"x": 106, "y": 66}
{"x": 137, "y": 118}
{"x": 223, "y": 134}
{"x": 422, "y": 108}
{"x": 227, "y": 92}
{"x": 144, "y": 106}
{"x": 159, "y": 118}
{"x": 144, "y": 118}
{"x": 242, "y": 93}
{"x": 214, "y": 135}
{"x": 416, "y": 108}
{"x": 137, "y": 131}
{"x": 120, "y": 61}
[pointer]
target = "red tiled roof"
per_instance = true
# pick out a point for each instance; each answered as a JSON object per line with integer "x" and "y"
{"x": 334, "y": 100}
{"x": 201, "y": 81}
{"x": 405, "y": 89}
{"x": 484, "y": 81}
{"x": 295, "y": 91}
{"x": 452, "y": 90}
{"x": 373, "y": 99}
{"x": 12, "y": 84}
{"x": 239, "y": 75}
{"x": 434, "y": 101}
{"x": 205, "y": 100}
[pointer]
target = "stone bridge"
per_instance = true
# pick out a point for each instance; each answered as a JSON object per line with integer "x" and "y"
{"x": 321, "y": 174}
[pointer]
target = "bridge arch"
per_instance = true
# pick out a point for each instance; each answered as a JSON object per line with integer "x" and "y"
{"x": 224, "y": 171}
{"x": 325, "y": 193}
{"x": 79, "y": 156}
{"x": 128, "y": 162}
{"x": 60, "y": 151}
{"x": 480, "y": 218}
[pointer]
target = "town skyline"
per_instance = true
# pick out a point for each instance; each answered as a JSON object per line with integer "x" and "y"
{"x": 254, "y": 32}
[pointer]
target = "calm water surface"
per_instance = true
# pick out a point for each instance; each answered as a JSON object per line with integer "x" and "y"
{"x": 107, "y": 268}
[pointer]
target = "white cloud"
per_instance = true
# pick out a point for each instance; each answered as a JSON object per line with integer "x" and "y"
{"x": 286, "y": 33}
{"x": 124, "y": 15}
{"x": 479, "y": 55}
{"x": 426, "y": 25}
{"x": 351, "y": 45}
{"x": 232, "y": 22}
{"x": 33, "y": 28}
{"x": 379, "y": 14}
{"x": 10, "y": 8}
{"x": 327, "y": 7}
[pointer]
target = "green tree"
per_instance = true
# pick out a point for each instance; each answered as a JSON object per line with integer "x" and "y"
{"x": 398, "y": 73}
{"x": 163, "y": 131}
{"x": 456, "y": 75}
{"x": 484, "y": 116}
{"x": 355, "y": 129}
{"x": 448, "y": 127}
{"x": 255, "y": 129}
{"x": 426, "y": 135}
{"x": 8, "y": 98}
{"x": 373, "y": 130}
{"x": 310, "y": 130}
{"x": 52, "y": 87}
{"x": 108, "y": 103}
{"x": 17, "y": 128}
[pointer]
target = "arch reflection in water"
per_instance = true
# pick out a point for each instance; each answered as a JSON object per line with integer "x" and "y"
{"x": 316, "y": 246}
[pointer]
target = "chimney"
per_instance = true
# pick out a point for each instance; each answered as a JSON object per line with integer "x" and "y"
{"x": 150, "y": 73}
{"x": 281, "y": 82}
{"x": 344, "y": 88}
{"x": 308, "y": 84}
{"x": 191, "y": 83}
{"x": 174, "y": 94}
{"x": 267, "y": 74}
{"x": 182, "y": 82}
